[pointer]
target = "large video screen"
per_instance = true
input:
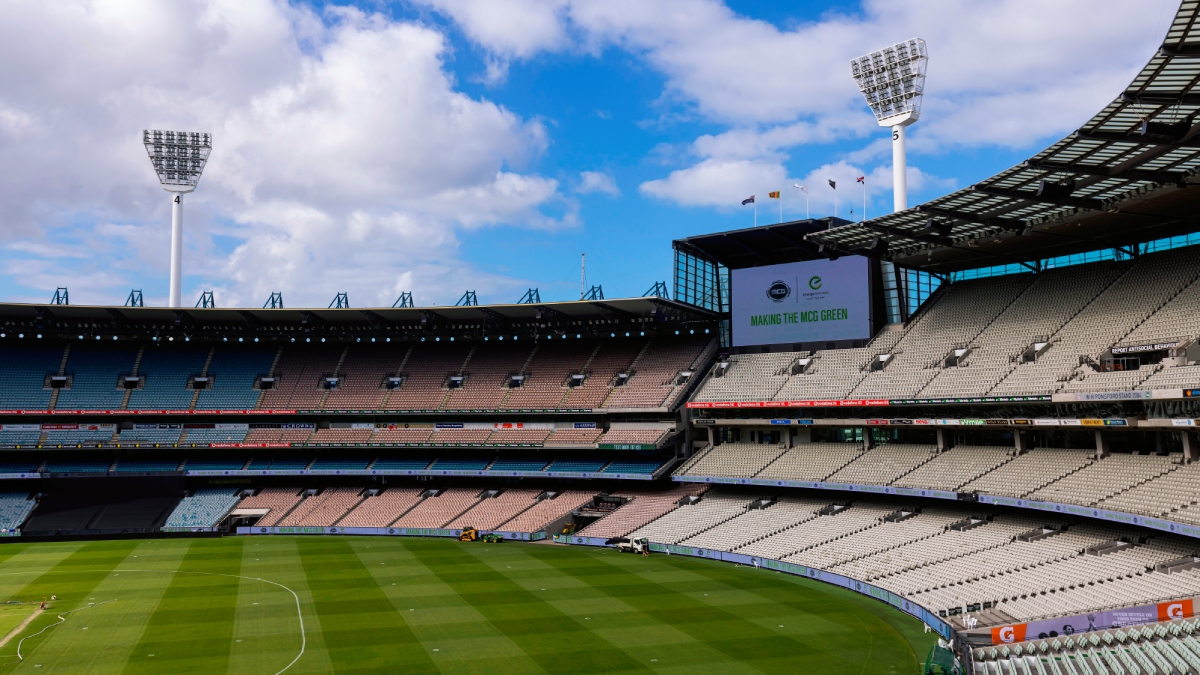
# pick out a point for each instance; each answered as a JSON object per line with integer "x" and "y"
{"x": 819, "y": 300}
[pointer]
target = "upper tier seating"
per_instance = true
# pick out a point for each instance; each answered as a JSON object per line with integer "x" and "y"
{"x": 425, "y": 374}
{"x": 300, "y": 376}
{"x": 486, "y": 375}
{"x": 94, "y": 372}
{"x": 233, "y": 371}
{"x": 1074, "y": 312}
{"x": 633, "y": 436}
{"x": 362, "y": 374}
{"x": 573, "y": 437}
{"x": 23, "y": 376}
{"x": 1105, "y": 478}
{"x": 608, "y": 359}
{"x": 654, "y": 381}
{"x": 167, "y": 370}
{"x": 732, "y": 459}
{"x": 547, "y": 374}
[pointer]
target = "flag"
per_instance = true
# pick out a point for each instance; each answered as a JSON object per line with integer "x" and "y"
{"x": 862, "y": 179}
{"x": 832, "y": 184}
{"x": 773, "y": 195}
{"x": 748, "y": 201}
{"x": 802, "y": 187}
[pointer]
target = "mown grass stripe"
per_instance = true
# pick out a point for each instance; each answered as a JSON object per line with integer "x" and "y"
{"x": 556, "y": 641}
{"x": 190, "y": 630}
{"x": 99, "y": 640}
{"x": 646, "y": 638}
{"x": 73, "y": 580}
{"x": 360, "y": 628}
{"x": 466, "y": 641}
{"x": 266, "y": 631}
{"x": 861, "y": 643}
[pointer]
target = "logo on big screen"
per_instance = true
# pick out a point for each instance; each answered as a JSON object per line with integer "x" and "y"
{"x": 814, "y": 283}
{"x": 779, "y": 291}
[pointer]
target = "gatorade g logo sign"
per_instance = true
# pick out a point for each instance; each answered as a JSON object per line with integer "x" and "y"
{"x": 1178, "y": 609}
{"x": 1008, "y": 634}
{"x": 779, "y": 291}
{"x": 815, "y": 283}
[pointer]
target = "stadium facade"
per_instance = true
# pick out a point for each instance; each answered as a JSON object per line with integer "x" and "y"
{"x": 981, "y": 410}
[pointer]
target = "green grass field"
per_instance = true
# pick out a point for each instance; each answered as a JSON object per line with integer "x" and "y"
{"x": 393, "y": 605}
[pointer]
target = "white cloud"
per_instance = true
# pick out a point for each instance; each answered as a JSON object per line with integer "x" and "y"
{"x": 597, "y": 181}
{"x": 1009, "y": 73}
{"x": 344, "y": 157}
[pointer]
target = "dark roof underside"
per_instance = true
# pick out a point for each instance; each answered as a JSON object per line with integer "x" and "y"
{"x": 1128, "y": 175}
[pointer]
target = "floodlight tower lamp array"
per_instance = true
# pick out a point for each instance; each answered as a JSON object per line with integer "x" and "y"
{"x": 178, "y": 158}
{"x": 892, "y": 80}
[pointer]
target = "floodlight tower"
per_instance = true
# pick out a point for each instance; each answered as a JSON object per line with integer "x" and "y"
{"x": 893, "y": 80}
{"x": 179, "y": 158}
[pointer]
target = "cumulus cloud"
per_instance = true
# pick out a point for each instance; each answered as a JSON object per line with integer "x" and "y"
{"x": 344, "y": 157}
{"x": 597, "y": 181}
{"x": 1010, "y": 73}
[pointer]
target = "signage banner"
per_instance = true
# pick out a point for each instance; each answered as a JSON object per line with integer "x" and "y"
{"x": 20, "y": 427}
{"x": 1137, "y": 349}
{"x": 1184, "y": 529}
{"x": 1109, "y": 619}
{"x": 811, "y": 301}
{"x": 851, "y": 403}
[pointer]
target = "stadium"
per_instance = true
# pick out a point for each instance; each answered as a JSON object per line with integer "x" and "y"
{"x": 958, "y": 438}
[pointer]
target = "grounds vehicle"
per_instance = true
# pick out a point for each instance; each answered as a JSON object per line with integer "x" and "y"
{"x": 624, "y": 545}
{"x": 469, "y": 534}
{"x": 492, "y": 538}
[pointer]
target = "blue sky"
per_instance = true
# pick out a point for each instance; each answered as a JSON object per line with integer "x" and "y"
{"x": 435, "y": 146}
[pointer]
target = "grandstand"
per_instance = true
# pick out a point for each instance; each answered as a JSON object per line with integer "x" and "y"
{"x": 1014, "y": 441}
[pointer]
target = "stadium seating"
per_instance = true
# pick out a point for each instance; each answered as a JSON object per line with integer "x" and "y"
{"x": 166, "y": 372}
{"x": 491, "y": 512}
{"x": 323, "y": 509}
{"x": 425, "y": 375}
{"x": 300, "y": 374}
{"x": 280, "y": 500}
{"x": 633, "y": 436}
{"x": 14, "y": 509}
{"x": 956, "y": 467}
{"x": 1030, "y": 471}
{"x": 654, "y": 380}
{"x": 439, "y": 510}
{"x": 24, "y": 375}
{"x": 94, "y": 371}
{"x": 205, "y": 507}
{"x": 149, "y": 434}
{"x": 884, "y": 464}
{"x": 546, "y": 376}
{"x": 486, "y": 375}
{"x": 542, "y": 514}
{"x": 234, "y": 371}
{"x": 686, "y": 521}
{"x": 202, "y": 437}
{"x": 608, "y": 360}
{"x": 1164, "y": 648}
{"x": 572, "y": 437}
{"x": 643, "y": 506}
{"x": 214, "y": 464}
{"x": 806, "y": 461}
{"x": 382, "y": 509}
{"x": 362, "y": 374}
{"x": 741, "y": 460}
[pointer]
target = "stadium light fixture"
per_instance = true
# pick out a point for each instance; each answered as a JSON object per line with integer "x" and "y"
{"x": 892, "y": 80}
{"x": 178, "y": 158}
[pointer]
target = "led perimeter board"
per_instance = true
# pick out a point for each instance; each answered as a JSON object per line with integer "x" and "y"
{"x": 802, "y": 302}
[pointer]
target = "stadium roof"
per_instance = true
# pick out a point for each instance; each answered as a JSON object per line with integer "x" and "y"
{"x": 540, "y": 318}
{"x": 1127, "y": 175}
{"x": 763, "y": 245}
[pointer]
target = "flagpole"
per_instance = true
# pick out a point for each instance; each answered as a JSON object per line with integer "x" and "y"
{"x": 864, "y": 201}
{"x": 755, "y": 213}
{"x": 781, "y": 206}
